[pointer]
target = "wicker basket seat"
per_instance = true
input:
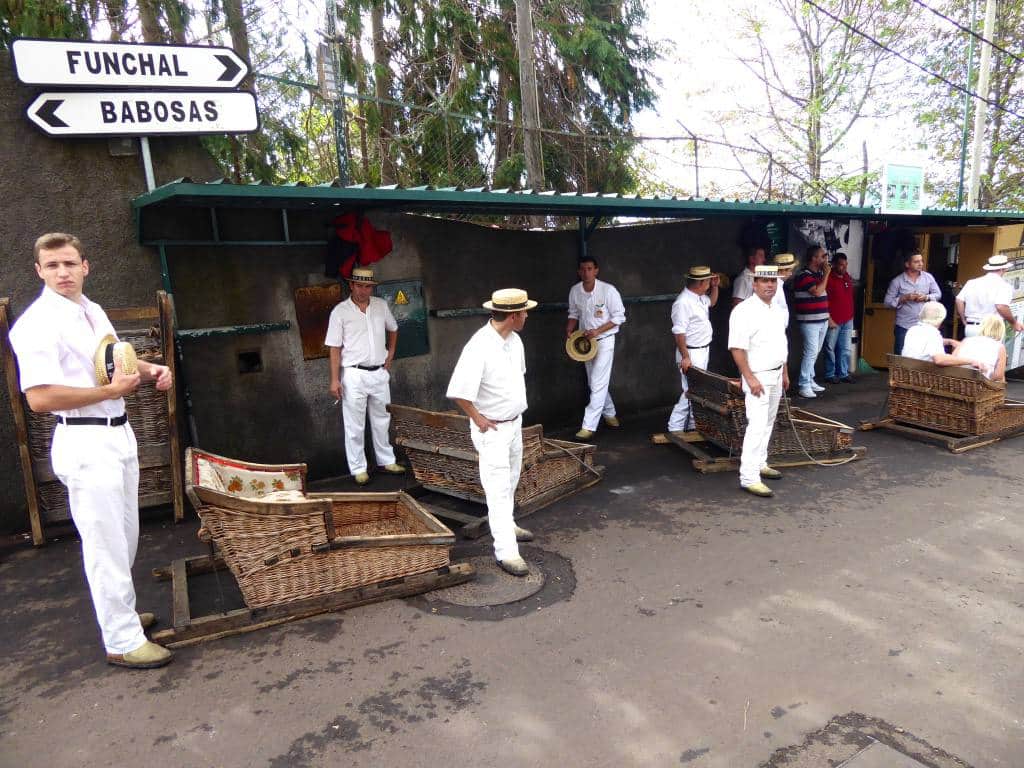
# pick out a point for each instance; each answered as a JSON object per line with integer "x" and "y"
{"x": 282, "y": 544}
{"x": 960, "y": 401}
{"x": 721, "y": 417}
{"x": 443, "y": 457}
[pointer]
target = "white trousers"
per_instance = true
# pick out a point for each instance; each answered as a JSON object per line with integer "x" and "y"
{"x": 761, "y": 413}
{"x": 972, "y": 329}
{"x": 100, "y": 467}
{"x": 682, "y": 415}
{"x": 599, "y": 374}
{"x": 500, "y": 454}
{"x": 364, "y": 391}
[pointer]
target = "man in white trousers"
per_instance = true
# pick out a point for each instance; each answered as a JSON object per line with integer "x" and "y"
{"x": 93, "y": 453}
{"x": 691, "y": 325}
{"x": 489, "y": 386}
{"x": 361, "y": 335}
{"x": 757, "y": 340}
{"x": 989, "y": 294}
{"x": 596, "y": 308}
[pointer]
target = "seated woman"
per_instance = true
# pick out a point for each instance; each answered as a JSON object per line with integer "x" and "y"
{"x": 987, "y": 352}
{"x": 924, "y": 342}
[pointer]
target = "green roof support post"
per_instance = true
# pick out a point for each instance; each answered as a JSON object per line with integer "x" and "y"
{"x": 165, "y": 272}
{"x": 585, "y": 231}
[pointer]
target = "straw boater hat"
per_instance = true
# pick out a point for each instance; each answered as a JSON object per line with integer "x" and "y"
{"x": 109, "y": 350}
{"x": 580, "y": 348}
{"x": 785, "y": 261}
{"x": 766, "y": 270}
{"x": 362, "y": 275}
{"x": 699, "y": 273}
{"x": 999, "y": 261}
{"x": 509, "y": 300}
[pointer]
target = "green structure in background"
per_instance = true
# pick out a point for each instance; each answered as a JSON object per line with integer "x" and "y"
{"x": 405, "y": 298}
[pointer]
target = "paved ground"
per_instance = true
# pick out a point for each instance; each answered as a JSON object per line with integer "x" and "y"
{"x": 706, "y": 628}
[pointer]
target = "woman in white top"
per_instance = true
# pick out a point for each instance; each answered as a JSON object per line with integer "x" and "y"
{"x": 986, "y": 351}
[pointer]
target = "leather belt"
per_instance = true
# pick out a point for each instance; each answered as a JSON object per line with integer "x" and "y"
{"x": 368, "y": 367}
{"x": 703, "y": 346}
{"x": 94, "y": 421}
{"x": 972, "y": 322}
{"x": 501, "y": 421}
{"x": 770, "y": 370}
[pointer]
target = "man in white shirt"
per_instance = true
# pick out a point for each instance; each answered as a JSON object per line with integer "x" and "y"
{"x": 757, "y": 340}
{"x": 786, "y": 262}
{"x": 489, "y": 386}
{"x": 989, "y": 294}
{"x": 691, "y": 325}
{"x": 361, "y": 335}
{"x": 743, "y": 285}
{"x": 596, "y": 307}
{"x": 93, "y": 453}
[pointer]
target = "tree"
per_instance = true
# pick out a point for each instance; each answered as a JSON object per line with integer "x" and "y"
{"x": 810, "y": 108}
{"x": 940, "y": 112}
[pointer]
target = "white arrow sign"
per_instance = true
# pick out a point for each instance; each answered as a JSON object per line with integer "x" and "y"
{"x": 144, "y": 113}
{"x": 128, "y": 65}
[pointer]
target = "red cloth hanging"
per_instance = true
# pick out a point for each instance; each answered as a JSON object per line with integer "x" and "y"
{"x": 370, "y": 244}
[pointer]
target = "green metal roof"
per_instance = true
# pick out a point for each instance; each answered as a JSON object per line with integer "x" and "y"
{"x": 184, "y": 193}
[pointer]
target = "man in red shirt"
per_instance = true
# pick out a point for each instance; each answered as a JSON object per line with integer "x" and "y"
{"x": 840, "y": 322}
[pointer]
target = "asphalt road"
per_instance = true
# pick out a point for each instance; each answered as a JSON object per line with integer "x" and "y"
{"x": 704, "y": 628}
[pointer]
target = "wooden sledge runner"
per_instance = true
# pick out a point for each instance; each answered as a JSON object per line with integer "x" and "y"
{"x": 708, "y": 457}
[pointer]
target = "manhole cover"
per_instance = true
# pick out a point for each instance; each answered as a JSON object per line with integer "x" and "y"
{"x": 492, "y": 586}
{"x": 493, "y": 595}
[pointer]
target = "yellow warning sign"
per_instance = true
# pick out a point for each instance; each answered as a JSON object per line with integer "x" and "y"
{"x": 400, "y": 298}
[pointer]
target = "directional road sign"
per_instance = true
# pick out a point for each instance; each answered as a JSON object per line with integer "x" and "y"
{"x": 78, "y": 63}
{"x": 144, "y": 113}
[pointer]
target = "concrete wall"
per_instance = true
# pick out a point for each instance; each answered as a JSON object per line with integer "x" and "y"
{"x": 285, "y": 412}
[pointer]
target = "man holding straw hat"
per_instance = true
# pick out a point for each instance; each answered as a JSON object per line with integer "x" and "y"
{"x": 489, "y": 386}
{"x": 691, "y": 325}
{"x": 72, "y": 365}
{"x": 361, "y": 372}
{"x": 757, "y": 340}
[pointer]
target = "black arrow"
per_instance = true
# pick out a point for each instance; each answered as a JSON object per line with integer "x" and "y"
{"x": 231, "y": 68}
{"x": 48, "y": 113}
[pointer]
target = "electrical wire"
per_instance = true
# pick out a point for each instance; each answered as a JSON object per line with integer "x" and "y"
{"x": 898, "y": 55}
{"x": 969, "y": 31}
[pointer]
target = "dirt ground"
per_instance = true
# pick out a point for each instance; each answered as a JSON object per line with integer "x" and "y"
{"x": 692, "y": 625}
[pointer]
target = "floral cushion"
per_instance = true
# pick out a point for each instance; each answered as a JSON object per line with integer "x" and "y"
{"x": 237, "y": 478}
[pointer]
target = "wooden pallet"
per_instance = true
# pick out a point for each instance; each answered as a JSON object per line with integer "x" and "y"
{"x": 952, "y": 443}
{"x": 475, "y": 526}
{"x": 708, "y": 457}
{"x": 190, "y": 630}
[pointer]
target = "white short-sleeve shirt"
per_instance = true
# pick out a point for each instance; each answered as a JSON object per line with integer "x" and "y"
{"x": 760, "y": 329}
{"x": 923, "y": 341}
{"x": 743, "y": 286}
{"x": 982, "y": 349}
{"x": 491, "y": 374}
{"x": 981, "y": 295}
{"x": 55, "y": 341}
{"x": 691, "y": 316}
{"x": 361, "y": 334}
{"x": 594, "y": 309}
{"x": 779, "y": 300}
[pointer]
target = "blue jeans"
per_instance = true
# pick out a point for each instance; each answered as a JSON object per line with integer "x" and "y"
{"x": 814, "y": 338}
{"x": 899, "y": 333}
{"x": 837, "y": 351}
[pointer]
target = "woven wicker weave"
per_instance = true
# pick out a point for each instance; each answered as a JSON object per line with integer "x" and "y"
{"x": 721, "y": 416}
{"x": 285, "y": 551}
{"x": 960, "y": 401}
{"x": 443, "y": 457}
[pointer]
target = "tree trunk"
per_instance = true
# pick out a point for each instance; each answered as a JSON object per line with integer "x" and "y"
{"x": 528, "y": 96}
{"x": 235, "y": 18}
{"x": 382, "y": 90}
{"x": 150, "y": 20}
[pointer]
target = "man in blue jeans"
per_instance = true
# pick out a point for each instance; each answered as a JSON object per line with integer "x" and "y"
{"x": 811, "y": 305}
{"x": 840, "y": 322}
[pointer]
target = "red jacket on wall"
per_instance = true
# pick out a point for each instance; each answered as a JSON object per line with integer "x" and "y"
{"x": 354, "y": 241}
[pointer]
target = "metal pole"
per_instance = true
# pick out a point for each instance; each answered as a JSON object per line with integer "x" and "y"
{"x": 147, "y": 164}
{"x": 967, "y": 109}
{"x": 981, "y": 111}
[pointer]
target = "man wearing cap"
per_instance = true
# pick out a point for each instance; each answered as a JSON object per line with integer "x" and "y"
{"x": 489, "y": 386}
{"x": 361, "y": 335}
{"x": 906, "y": 293}
{"x": 757, "y": 341}
{"x": 840, "y": 322}
{"x": 811, "y": 303}
{"x": 786, "y": 262}
{"x": 691, "y": 326}
{"x": 989, "y": 294}
{"x": 743, "y": 286}
{"x": 58, "y": 341}
{"x": 596, "y": 307}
